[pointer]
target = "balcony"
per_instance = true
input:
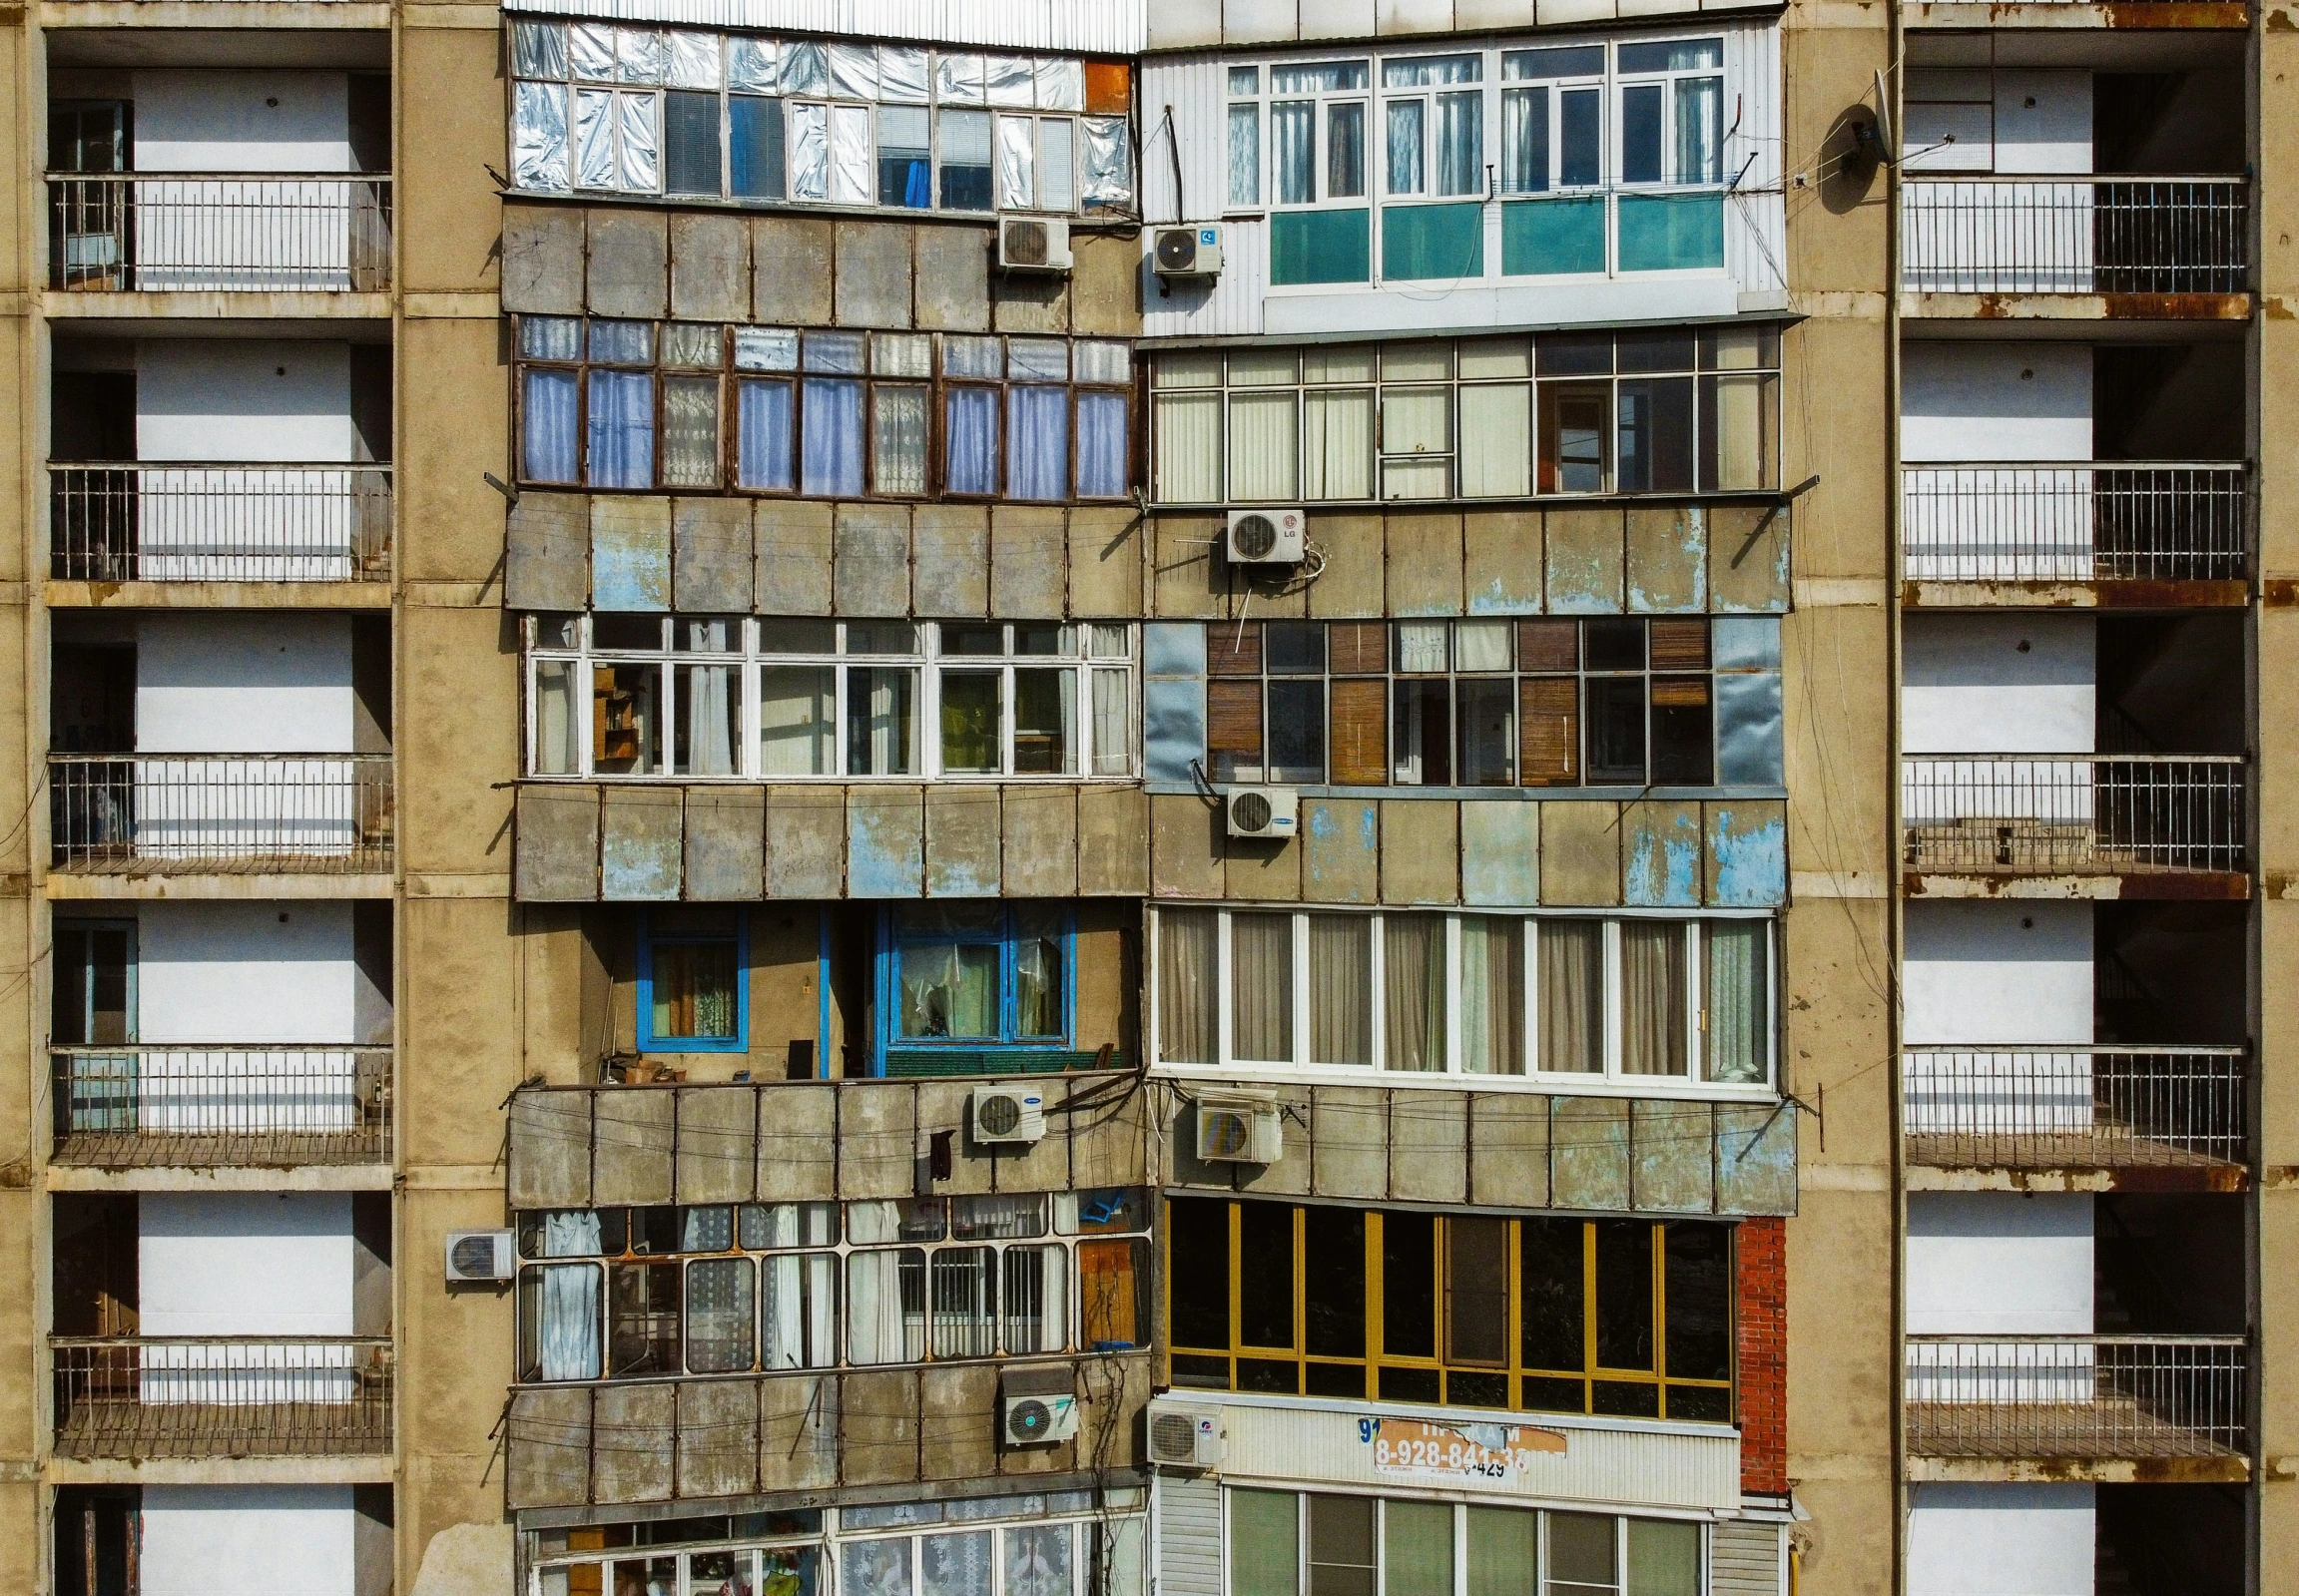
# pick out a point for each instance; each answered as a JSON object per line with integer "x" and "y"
{"x": 2149, "y": 1118}
{"x": 188, "y": 1106}
{"x": 2088, "y": 824}
{"x": 2143, "y": 533}
{"x": 2167, "y": 1408}
{"x": 217, "y": 522}
{"x": 234, "y": 233}
{"x": 1962, "y": 15}
{"x": 2151, "y": 247}
{"x": 170, "y": 1397}
{"x": 145, "y": 815}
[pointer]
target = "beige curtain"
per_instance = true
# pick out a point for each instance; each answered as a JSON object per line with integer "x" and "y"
{"x": 1737, "y": 992}
{"x": 1264, "y": 445}
{"x": 1261, "y": 987}
{"x": 1186, "y": 986}
{"x": 1652, "y": 998}
{"x": 1492, "y": 995}
{"x": 1496, "y": 441}
{"x": 1413, "y": 986}
{"x": 1189, "y": 448}
{"x": 1337, "y": 438}
{"x": 1340, "y": 989}
{"x": 1570, "y": 994}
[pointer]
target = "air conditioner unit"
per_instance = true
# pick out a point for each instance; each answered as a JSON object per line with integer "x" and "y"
{"x": 1036, "y": 1406}
{"x": 1184, "y": 1436}
{"x": 479, "y": 1255}
{"x": 1190, "y": 251}
{"x": 1009, "y": 1115}
{"x": 1033, "y": 244}
{"x": 1262, "y": 813}
{"x": 1264, "y": 537}
{"x": 1239, "y": 1128}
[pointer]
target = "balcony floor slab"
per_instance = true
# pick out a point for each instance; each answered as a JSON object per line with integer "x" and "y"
{"x": 225, "y": 313}
{"x": 1931, "y": 1167}
{"x": 63, "y": 595}
{"x": 376, "y": 1470}
{"x": 2149, "y": 885}
{"x": 195, "y": 885}
{"x": 127, "y": 1177}
{"x": 174, "y": 15}
{"x": 2227, "y": 1470}
{"x": 2069, "y": 595}
{"x": 1992, "y": 307}
{"x": 2141, "y": 16}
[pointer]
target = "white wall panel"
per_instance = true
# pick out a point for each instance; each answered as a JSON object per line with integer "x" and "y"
{"x": 236, "y": 399}
{"x": 1987, "y": 401}
{"x": 1999, "y": 1264}
{"x": 245, "y": 1264}
{"x": 2001, "y": 1540}
{"x": 2000, "y": 684}
{"x": 250, "y": 1540}
{"x": 1987, "y": 973}
{"x": 234, "y": 121}
{"x": 244, "y": 972}
{"x": 247, "y": 682}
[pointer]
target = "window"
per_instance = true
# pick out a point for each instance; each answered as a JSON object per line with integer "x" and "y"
{"x": 1619, "y": 1317}
{"x": 1620, "y": 1000}
{"x": 1302, "y": 152}
{"x": 977, "y": 974}
{"x": 694, "y": 981}
{"x": 1442, "y": 1549}
{"x": 822, "y": 412}
{"x": 692, "y": 698}
{"x": 1617, "y": 701}
{"x": 1673, "y": 411}
{"x": 843, "y": 124}
{"x": 718, "y": 1289}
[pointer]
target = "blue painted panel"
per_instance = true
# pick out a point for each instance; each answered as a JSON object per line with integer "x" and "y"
{"x": 1501, "y": 852}
{"x": 1661, "y": 867}
{"x": 1748, "y": 852}
{"x": 884, "y": 843}
{"x": 1756, "y": 1159}
{"x": 630, "y": 563}
{"x": 1173, "y": 729}
{"x": 1173, "y": 648}
{"x": 1745, "y": 641}
{"x": 638, "y": 852}
{"x": 1748, "y": 735}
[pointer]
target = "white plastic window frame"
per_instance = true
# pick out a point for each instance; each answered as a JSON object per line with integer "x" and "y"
{"x": 1616, "y": 117}
{"x": 1427, "y": 94}
{"x": 1267, "y": 96}
{"x": 1588, "y": 83}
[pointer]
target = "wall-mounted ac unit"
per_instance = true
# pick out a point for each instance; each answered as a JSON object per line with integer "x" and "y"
{"x": 1193, "y": 250}
{"x": 479, "y": 1255}
{"x": 1009, "y": 1115}
{"x": 1184, "y": 1435}
{"x": 1239, "y": 1128}
{"x": 1264, "y": 537}
{"x": 1033, "y": 244}
{"x": 1036, "y": 1406}
{"x": 1262, "y": 813}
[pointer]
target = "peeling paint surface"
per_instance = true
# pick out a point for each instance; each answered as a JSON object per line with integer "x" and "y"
{"x": 1662, "y": 856}
{"x": 1748, "y": 850}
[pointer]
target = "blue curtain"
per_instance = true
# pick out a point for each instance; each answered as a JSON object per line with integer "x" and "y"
{"x": 549, "y": 426}
{"x": 622, "y": 432}
{"x": 1102, "y": 444}
{"x": 972, "y": 444}
{"x": 763, "y": 436}
{"x": 832, "y": 436}
{"x": 1039, "y": 430}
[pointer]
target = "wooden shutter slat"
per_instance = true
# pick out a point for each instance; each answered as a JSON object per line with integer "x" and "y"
{"x": 1361, "y": 733}
{"x": 1548, "y": 645}
{"x": 1680, "y": 645}
{"x": 1549, "y": 730}
{"x": 1677, "y": 690}
{"x": 1232, "y": 649}
{"x": 1355, "y": 647}
{"x": 1233, "y": 719}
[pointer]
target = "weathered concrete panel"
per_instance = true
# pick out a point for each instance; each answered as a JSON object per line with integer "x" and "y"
{"x": 884, "y": 837}
{"x": 550, "y": 1156}
{"x": 712, "y": 563}
{"x": 1748, "y": 853}
{"x": 1674, "y": 1157}
{"x": 1351, "y": 1132}
{"x": 547, "y": 553}
{"x": 877, "y": 1140}
{"x": 1110, "y": 1409}
{"x": 1186, "y": 848}
{"x": 629, "y": 273}
{"x": 1023, "y": 301}
{"x": 1428, "y": 1146}
{"x": 1501, "y": 562}
{"x": 1040, "y": 841}
{"x": 1580, "y": 854}
{"x": 548, "y": 1457}
{"x": 880, "y": 1446}
{"x": 631, "y": 554}
{"x": 1501, "y": 852}
{"x": 1589, "y": 1153}
{"x": 798, "y": 1432}
{"x": 874, "y": 560}
{"x": 1756, "y": 1157}
{"x": 798, "y": 1145}
{"x": 962, "y": 841}
{"x": 718, "y": 1126}
{"x": 710, "y": 267}
{"x": 542, "y": 260}
{"x": 1341, "y": 846}
{"x": 1113, "y": 841}
{"x": 791, "y": 271}
{"x": 1027, "y": 544}
{"x": 1105, "y": 562}
{"x": 1424, "y": 564}
{"x": 793, "y": 539}
{"x": 954, "y": 279}
{"x": 639, "y": 844}
{"x": 950, "y": 554}
{"x": 1188, "y": 582}
{"x": 633, "y": 1145}
{"x": 946, "y": 1106}
{"x": 806, "y": 842}
{"x": 1111, "y": 1149}
{"x": 1667, "y": 560}
{"x": 873, "y": 266}
{"x": 632, "y": 1427}
{"x": 1660, "y": 865}
{"x": 1748, "y": 557}
{"x": 726, "y": 843}
{"x": 1355, "y": 583}
{"x": 1420, "y": 851}
{"x": 1508, "y": 1149}
{"x": 1105, "y": 285}
{"x": 557, "y": 839}
{"x": 718, "y": 1438}
{"x": 1584, "y": 550}
{"x": 1267, "y": 873}
{"x": 1042, "y": 1166}
{"x": 1290, "y": 1176}
{"x": 959, "y": 1424}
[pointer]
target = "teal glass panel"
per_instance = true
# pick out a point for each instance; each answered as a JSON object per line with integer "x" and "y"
{"x": 1550, "y": 238}
{"x": 1320, "y": 247}
{"x": 1419, "y": 243}
{"x": 1671, "y": 231}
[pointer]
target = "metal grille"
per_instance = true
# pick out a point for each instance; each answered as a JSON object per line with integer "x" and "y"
{"x": 2075, "y": 523}
{"x": 139, "y": 814}
{"x": 1984, "y": 234}
{"x": 210, "y": 1107}
{"x": 216, "y": 522}
{"x": 180, "y": 1396}
{"x": 2077, "y": 1396}
{"x": 2013, "y": 815}
{"x": 2073, "y": 1107}
{"x": 120, "y": 231}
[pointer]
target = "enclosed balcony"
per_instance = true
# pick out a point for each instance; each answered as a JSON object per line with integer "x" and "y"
{"x": 150, "y": 1396}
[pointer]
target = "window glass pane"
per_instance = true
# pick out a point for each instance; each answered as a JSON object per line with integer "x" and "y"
{"x": 1344, "y": 151}
{"x": 831, "y": 427}
{"x": 952, "y": 1565}
{"x": 547, "y": 426}
{"x": 970, "y": 447}
{"x": 1263, "y": 445}
{"x": 1189, "y": 455}
{"x": 1458, "y": 143}
{"x": 905, "y": 157}
{"x": 1420, "y": 734}
{"x": 963, "y": 1283}
{"x": 965, "y": 158}
{"x": 1525, "y": 141}
{"x": 1188, "y": 370}
{"x": 1261, "y": 987}
{"x": 1493, "y": 994}
{"x": 1046, "y": 723}
{"x": 1653, "y": 997}
{"x": 694, "y": 989}
{"x": 1487, "y": 728}
{"x": 879, "y": 737}
{"x": 1409, "y": 1285}
{"x": 1569, "y": 1000}
{"x": 1341, "y": 1541}
{"x": 850, "y": 155}
{"x": 797, "y": 707}
{"x": 1413, "y": 990}
{"x": 1112, "y": 724}
{"x": 1040, "y": 360}
{"x": 691, "y": 432}
{"x": 626, "y": 723}
{"x": 1697, "y": 1263}
{"x": 1624, "y": 1293}
{"x": 971, "y": 722}
{"x": 558, "y": 745}
{"x": 1264, "y": 1543}
{"x": 1197, "y": 1232}
{"x": 1736, "y": 432}
{"x": 1293, "y": 151}
{"x": 1415, "y": 420}
{"x": 551, "y": 337}
{"x": 901, "y": 354}
{"x": 621, "y": 443}
{"x": 1663, "y": 1557}
{"x": 1405, "y": 131}
{"x": 1551, "y": 1265}
{"x": 765, "y": 350}
{"x": 708, "y": 739}
{"x": 1296, "y": 745}
{"x": 949, "y": 990}
{"x": 1416, "y": 1548}
{"x": 642, "y": 1318}
{"x": 1038, "y": 442}
{"x": 1265, "y": 1274}
{"x": 1672, "y": 55}
{"x": 1640, "y": 109}
{"x": 1496, "y": 441}
{"x": 875, "y": 1566}
{"x": 1581, "y": 1549}
{"x": 1476, "y": 1290}
{"x": 1738, "y": 991}
{"x": 1186, "y": 986}
{"x": 1616, "y": 728}
{"x": 809, "y": 150}
{"x": 1037, "y": 1559}
{"x": 1699, "y": 149}
{"x": 720, "y": 1315}
{"x": 561, "y": 1304}
{"x": 1333, "y": 1286}
{"x": 1656, "y": 435}
{"x": 1580, "y": 138}
{"x": 769, "y": 1225}
{"x": 1245, "y": 152}
{"x": 691, "y": 142}
{"x": 1683, "y": 737}
{"x": 1573, "y": 439}
{"x": 1057, "y": 164}
{"x": 1102, "y": 444}
{"x": 1337, "y": 444}
{"x": 1503, "y": 1552}
{"x": 898, "y": 438}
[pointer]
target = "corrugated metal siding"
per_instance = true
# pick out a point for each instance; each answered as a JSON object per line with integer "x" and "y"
{"x": 1744, "y": 1559}
{"x": 1755, "y": 232}
{"x": 1187, "y": 1508}
{"x": 1193, "y": 87}
{"x": 1083, "y": 27}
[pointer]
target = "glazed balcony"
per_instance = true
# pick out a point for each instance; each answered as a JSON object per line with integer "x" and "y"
{"x": 218, "y": 522}
{"x": 193, "y": 1106}
{"x": 141, "y": 814}
{"x": 173, "y": 1396}
{"x": 2160, "y": 247}
{"x": 236, "y": 233}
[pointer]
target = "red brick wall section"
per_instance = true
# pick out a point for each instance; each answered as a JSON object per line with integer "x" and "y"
{"x": 1761, "y": 1256}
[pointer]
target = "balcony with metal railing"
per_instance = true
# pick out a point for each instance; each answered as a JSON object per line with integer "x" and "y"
{"x": 2081, "y": 825}
{"x": 232, "y": 232}
{"x": 153, "y": 815}
{"x": 199, "y": 1106}
{"x": 2160, "y": 1407}
{"x": 2152, "y": 246}
{"x": 175, "y": 1397}
{"x": 2137, "y": 533}
{"x": 213, "y": 522}
{"x": 2147, "y": 1118}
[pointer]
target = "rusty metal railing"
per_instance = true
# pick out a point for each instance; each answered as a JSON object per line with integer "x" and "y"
{"x": 2075, "y": 521}
{"x": 151, "y": 813}
{"x": 137, "y": 1396}
{"x": 2075, "y": 1105}
{"x": 213, "y": 1106}
{"x": 2072, "y": 815}
{"x": 1970, "y": 232}
{"x": 250, "y": 231}
{"x": 2077, "y": 1396}
{"x": 204, "y": 521}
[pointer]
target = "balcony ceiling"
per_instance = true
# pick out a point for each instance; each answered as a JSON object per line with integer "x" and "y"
{"x": 236, "y": 47}
{"x": 2136, "y": 50}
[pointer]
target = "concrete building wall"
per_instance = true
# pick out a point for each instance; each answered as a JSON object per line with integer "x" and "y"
{"x": 207, "y": 120}
{"x": 246, "y": 1263}
{"x": 243, "y": 400}
{"x": 244, "y": 684}
{"x": 275, "y": 1540}
{"x": 1997, "y": 1540}
{"x": 2000, "y": 684}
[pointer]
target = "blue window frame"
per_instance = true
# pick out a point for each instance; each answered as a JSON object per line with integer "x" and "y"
{"x": 694, "y": 981}
{"x": 972, "y": 975}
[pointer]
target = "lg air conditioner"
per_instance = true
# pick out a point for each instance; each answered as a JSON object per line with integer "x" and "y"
{"x": 1033, "y": 244}
{"x": 1264, "y": 537}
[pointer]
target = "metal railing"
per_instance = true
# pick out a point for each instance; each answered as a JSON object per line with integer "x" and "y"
{"x": 2076, "y": 1106}
{"x": 218, "y": 522}
{"x": 252, "y": 232}
{"x": 1974, "y": 233}
{"x": 151, "y": 813}
{"x": 210, "y": 1106}
{"x": 2080, "y": 815}
{"x": 2077, "y": 1396}
{"x": 236, "y": 1396}
{"x": 2075, "y": 521}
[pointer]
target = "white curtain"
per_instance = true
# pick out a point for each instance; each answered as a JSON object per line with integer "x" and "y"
{"x": 1293, "y": 151}
{"x": 1459, "y": 144}
{"x": 796, "y": 711}
{"x": 1186, "y": 986}
{"x": 1699, "y": 132}
{"x": 1737, "y": 993}
{"x": 899, "y": 439}
{"x": 830, "y": 435}
{"x": 1420, "y": 645}
{"x": 1570, "y": 995}
{"x": 548, "y": 425}
{"x": 799, "y": 1310}
{"x": 557, "y": 694}
{"x": 1496, "y": 441}
{"x": 1525, "y": 141}
{"x": 712, "y": 703}
{"x": 1340, "y": 989}
{"x": 1492, "y": 995}
{"x": 881, "y": 1327}
{"x": 569, "y": 1341}
{"x": 1413, "y": 990}
{"x": 1406, "y": 118}
{"x": 1337, "y": 438}
{"x": 622, "y": 429}
{"x": 1037, "y": 442}
{"x": 972, "y": 444}
{"x": 1244, "y": 154}
{"x": 1261, "y": 986}
{"x": 1188, "y": 448}
{"x": 1113, "y": 742}
{"x": 1102, "y": 444}
{"x": 1652, "y": 998}
{"x": 1264, "y": 445}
